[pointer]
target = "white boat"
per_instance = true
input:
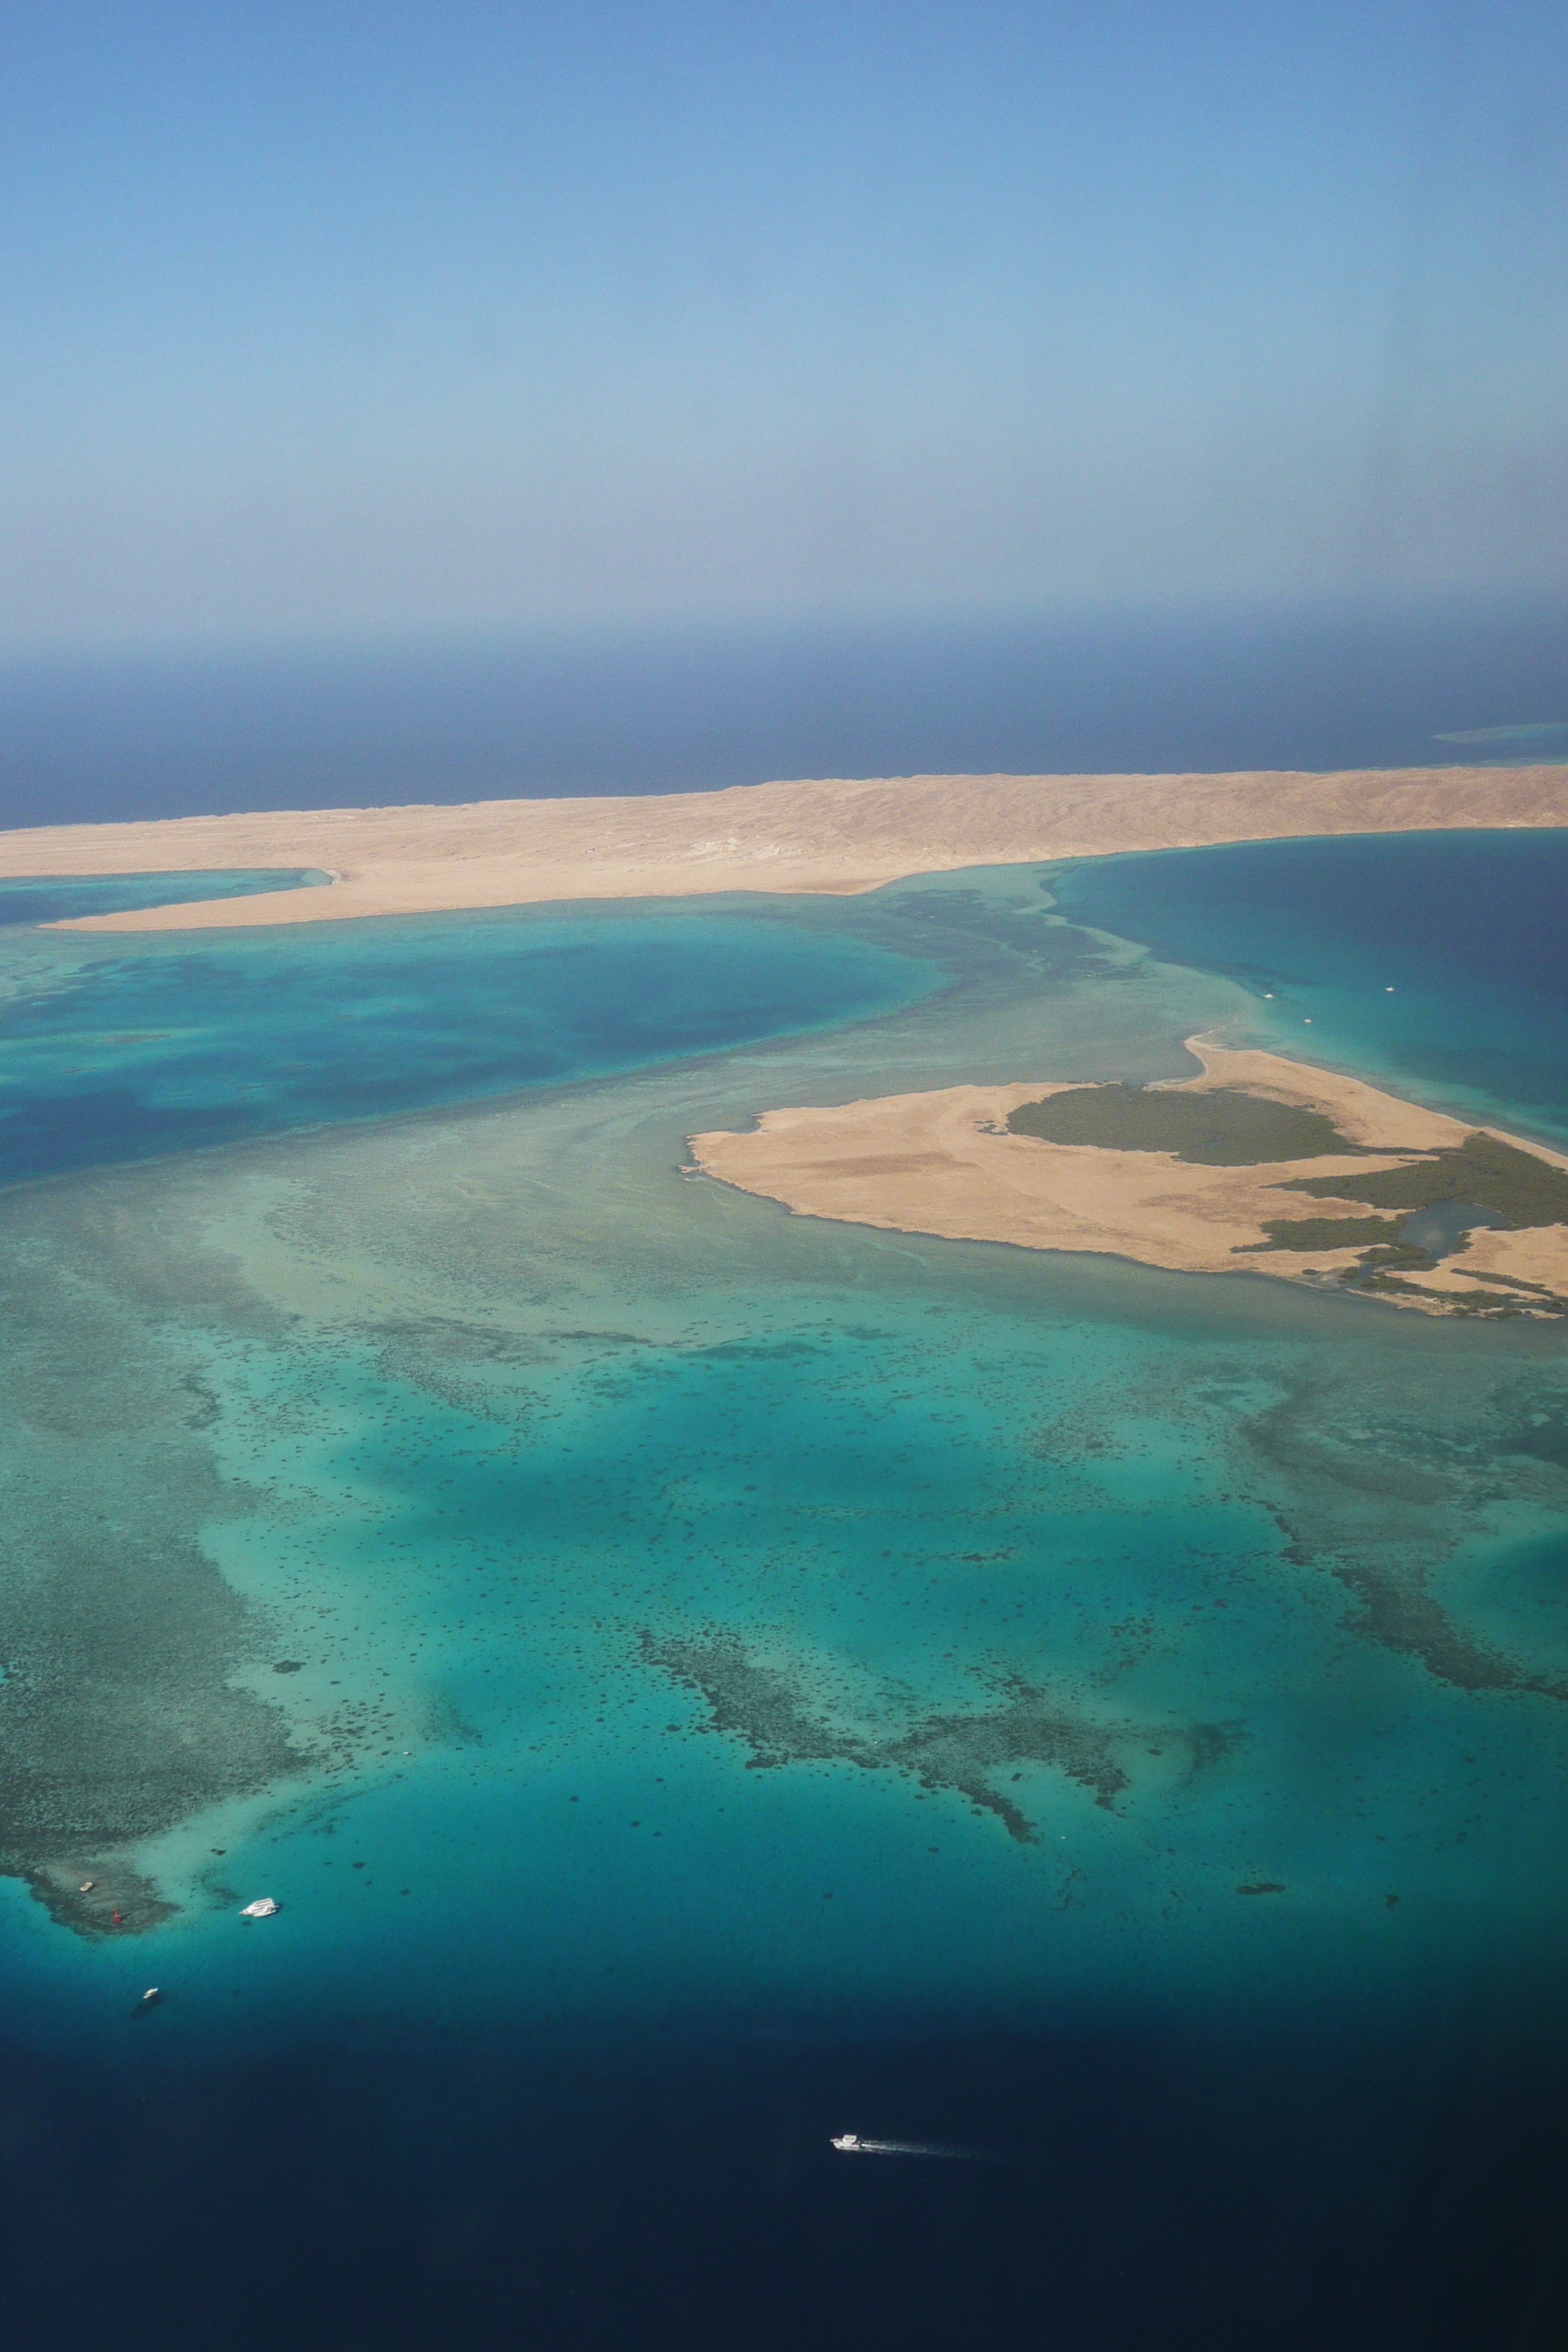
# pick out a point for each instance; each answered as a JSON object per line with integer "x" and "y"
{"x": 849, "y": 2143}
{"x": 262, "y": 1908}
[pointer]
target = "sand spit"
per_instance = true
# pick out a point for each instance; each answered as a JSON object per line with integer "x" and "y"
{"x": 832, "y": 835}
{"x": 946, "y": 1163}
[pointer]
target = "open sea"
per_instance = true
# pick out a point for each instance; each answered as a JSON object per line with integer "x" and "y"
{"x": 699, "y": 1681}
{"x": 1374, "y": 681}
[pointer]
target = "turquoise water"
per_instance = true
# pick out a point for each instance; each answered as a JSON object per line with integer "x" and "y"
{"x": 58, "y": 899}
{"x": 110, "y": 1052}
{"x": 697, "y": 1677}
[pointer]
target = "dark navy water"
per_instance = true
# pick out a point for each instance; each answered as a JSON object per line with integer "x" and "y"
{"x": 59, "y": 899}
{"x": 1439, "y": 960}
{"x": 127, "y": 1053}
{"x": 1135, "y": 2195}
{"x": 1373, "y": 683}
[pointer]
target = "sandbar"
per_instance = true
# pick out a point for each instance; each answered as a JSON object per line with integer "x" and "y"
{"x": 946, "y": 1163}
{"x": 824, "y": 835}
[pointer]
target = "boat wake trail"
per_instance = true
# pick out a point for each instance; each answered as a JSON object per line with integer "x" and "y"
{"x": 851, "y": 2144}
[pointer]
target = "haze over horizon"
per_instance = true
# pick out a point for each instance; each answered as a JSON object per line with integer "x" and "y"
{"x": 354, "y": 322}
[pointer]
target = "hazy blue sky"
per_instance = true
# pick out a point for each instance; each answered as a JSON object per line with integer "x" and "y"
{"x": 354, "y": 316}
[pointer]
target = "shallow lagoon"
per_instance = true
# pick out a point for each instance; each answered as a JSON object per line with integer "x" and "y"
{"x": 667, "y": 1593}
{"x": 59, "y": 899}
{"x": 112, "y": 1051}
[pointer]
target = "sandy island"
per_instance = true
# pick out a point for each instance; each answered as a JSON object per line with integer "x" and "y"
{"x": 947, "y": 1163}
{"x": 832, "y": 835}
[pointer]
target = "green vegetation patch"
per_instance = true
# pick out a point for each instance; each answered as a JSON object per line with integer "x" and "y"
{"x": 1485, "y": 1173}
{"x": 1323, "y": 1234}
{"x": 1220, "y": 1129}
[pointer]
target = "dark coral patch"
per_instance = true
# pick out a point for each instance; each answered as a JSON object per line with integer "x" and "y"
{"x": 767, "y": 1709}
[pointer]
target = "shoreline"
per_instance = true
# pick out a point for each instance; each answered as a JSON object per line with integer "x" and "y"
{"x": 823, "y": 836}
{"x": 946, "y": 1164}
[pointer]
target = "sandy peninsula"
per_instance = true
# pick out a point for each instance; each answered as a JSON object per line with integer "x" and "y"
{"x": 824, "y": 835}
{"x": 949, "y": 1163}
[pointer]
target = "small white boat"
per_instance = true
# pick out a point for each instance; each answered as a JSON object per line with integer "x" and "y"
{"x": 851, "y": 2144}
{"x": 262, "y": 1908}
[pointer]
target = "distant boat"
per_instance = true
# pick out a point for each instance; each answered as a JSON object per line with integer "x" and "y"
{"x": 262, "y": 1908}
{"x": 851, "y": 2144}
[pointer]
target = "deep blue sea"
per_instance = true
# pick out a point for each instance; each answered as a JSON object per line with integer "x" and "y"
{"x": 1436, "y": 961}
{"x": 1370, "y": 683}
{"x": 699, "y": 1681}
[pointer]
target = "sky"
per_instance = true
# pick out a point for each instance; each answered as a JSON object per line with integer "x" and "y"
{"x": 337, "y": 318}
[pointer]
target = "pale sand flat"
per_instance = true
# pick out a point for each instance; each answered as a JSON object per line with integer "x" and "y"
{"x": 942, "y": 1164}
{"x": 828, "y": 835}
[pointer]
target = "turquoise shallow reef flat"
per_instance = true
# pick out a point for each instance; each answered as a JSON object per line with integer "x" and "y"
{"x": 608, "y": 1613}
{"x": 60, "y": 898}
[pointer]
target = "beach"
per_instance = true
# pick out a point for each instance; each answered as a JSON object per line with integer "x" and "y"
{"x": 946, "y": 1163}
{"x": 826, "y": 835}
